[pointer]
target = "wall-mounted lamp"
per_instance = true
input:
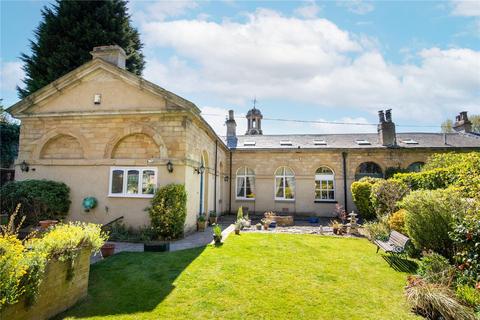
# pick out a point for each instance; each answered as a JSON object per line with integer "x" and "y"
{"x": 200, "y": 170}
{"x": 225, "y": 178}
{"x": 24, "y": 166}
{"x": 170, "y": 166}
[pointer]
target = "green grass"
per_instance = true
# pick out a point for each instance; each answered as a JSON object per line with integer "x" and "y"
{"x": 252, "y": 276}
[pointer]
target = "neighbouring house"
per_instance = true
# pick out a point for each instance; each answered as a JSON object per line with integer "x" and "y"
{"x": 112, "y": 135}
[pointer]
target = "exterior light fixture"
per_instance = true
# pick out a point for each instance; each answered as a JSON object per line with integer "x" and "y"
{"x": 24, "y": 166}
{"x": 200, "y": 170}
{"x": 225, "y": 178}
{"x": 170, "y": 166}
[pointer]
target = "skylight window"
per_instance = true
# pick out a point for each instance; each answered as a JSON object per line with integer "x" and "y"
{"x": 410, "y": 141}
{"x": 249, "y": 143}
{"x": 319, "y": 142}
{"x": 362, "y": 142}
{"x": 285, "y": 142}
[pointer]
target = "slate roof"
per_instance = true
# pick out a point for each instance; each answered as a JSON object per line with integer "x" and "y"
{"x": 349, "y": 141}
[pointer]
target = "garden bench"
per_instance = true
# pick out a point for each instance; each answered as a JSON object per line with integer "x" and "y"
{"x": 395, "y": 244}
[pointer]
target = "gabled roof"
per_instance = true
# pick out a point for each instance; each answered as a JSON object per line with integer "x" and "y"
{"x": 95, "y": 64}
{"x": 358, "y": 141}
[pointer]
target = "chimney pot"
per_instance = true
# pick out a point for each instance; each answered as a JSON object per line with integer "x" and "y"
{"x": 386, "y": 129}
{"x": 462, "y": 123}
{"x": 231, "y": 130}
{"x": 113, "y": 54}
{"x": 381, "y": 116}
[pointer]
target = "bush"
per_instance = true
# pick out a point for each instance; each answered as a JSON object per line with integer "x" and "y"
{"x": 397, "y": 221}
{"x": 469, "y": 295}
{"x": 430, "y": 217}
{"x": 466, "y": 236}
{"x": 385, "y": 194}
{"x": 377, "y": 230}
{"x": 361, "y": 191}
{"x": 168, "y": 211}
{"x": 435, "y": 301}
{"x": 439, "y": 178}
{"x": 435, "y": 268}
{"x": 391, "y": 171}
{"x": 39, "y": 199}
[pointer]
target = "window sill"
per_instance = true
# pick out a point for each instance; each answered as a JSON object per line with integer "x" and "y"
{"x": 135, "y": 196}
{"x": 245, "y": 199}
{"x": 285, "y": 200}
{"x": 325, "y": 201}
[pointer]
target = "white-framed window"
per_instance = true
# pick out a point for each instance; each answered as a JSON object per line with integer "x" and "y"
{"x": 284, "y": 184}
{"x": 324, "y": 184}
{"x": 135, "y": 182}
{"x": 245, "y": 184}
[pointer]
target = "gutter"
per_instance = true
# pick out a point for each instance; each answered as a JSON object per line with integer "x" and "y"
{"x": 344, "y": 162}
{"x": 230, "y": 192}
{"x": 215, "y": 181}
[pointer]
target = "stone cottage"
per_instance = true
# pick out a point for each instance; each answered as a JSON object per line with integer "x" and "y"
{"x": 112, "y": 135}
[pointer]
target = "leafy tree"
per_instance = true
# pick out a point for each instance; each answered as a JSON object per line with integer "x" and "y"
{"x": 9, "y": 134}
{"x": 69, "y": 31}
{"x": 447, "y": 126}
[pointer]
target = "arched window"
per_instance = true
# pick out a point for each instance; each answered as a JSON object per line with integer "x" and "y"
{"x": 324, "y": 184}
{"x": 416, "y": 166}
{"x": 368, "y": 169}
{"x": 245, "y": 183}
{"x": 284, "y": 184}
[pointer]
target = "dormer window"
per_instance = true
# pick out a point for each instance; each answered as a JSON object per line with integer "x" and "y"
{"x": 285, "y": 142}
{"x": 249, "y": 143}
{"x": 362, "y": 142}
{"x": 409, "y": 141}
{"x": 319, "y": 142}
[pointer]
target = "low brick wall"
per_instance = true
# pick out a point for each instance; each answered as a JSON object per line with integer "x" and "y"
{"x": 56, "y": 293}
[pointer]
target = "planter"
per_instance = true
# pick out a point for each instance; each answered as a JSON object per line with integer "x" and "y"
{"x": 44, "y": 224}
{"x": 156, "y": 246}
{"x": 313, "y": 219}
{"x": 237, "y": 231}
{"x": 212, "y": 220}
{"x": 108, "y": 249}
{"x": 201, "y": 225}
{"x": 217, "y": 239}
{"x": 259, "y": 227}
{"x": 335, "y": 230}
{"x": 265, "y": 227}
{"x": 273, "y": 224}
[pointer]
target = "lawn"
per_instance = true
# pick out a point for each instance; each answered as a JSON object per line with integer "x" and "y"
{"x": 252, "y": 276}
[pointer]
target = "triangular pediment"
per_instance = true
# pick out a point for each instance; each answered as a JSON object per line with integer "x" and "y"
{"x": 99, "y": 87}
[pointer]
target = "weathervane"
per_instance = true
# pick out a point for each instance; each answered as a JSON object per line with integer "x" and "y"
{"x": 254, "y": 102}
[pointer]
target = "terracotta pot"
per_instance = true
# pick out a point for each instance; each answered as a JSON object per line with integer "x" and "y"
{"x": 212, "y": 220}
{"x": 47, "y": 223}
{"x": 201, "y": 225}
{"x": 265, "y": 227}
{"x": 108, "y": 249}
{"x": 237, "y": 231}
{"x": 335, "y": 230}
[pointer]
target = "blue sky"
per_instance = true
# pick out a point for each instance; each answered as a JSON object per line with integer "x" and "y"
{"x": 310, "y": 60}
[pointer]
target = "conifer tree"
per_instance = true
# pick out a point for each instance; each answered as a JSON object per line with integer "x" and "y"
{"x": 68, "y": 32}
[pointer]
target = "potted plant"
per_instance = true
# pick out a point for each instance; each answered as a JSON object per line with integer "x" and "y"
{"x": 259, "y": 226}
{"x": 212, "y": 217}
{"x": 108, "y": 249}
{"x": 336, "y": 227}
{"x": 217, "y": 234}
{"x": 238, "y": 226}
{"x": 201, "y": 223}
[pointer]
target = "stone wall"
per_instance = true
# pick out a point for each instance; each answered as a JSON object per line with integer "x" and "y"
{"x": 56, "y": 293}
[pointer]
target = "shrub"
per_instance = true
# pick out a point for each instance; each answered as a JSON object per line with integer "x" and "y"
{"x": 168, "y": 211}
{"x": 391, "y": 171}
{"x": 435, "y": 268}
{"x": 397, "y": 221}
{"x": 377, "y": 230}
{"x": 361, "y": 191}
{"x": 469, "y": 295}
{"x": 435, "y": 301}
{"x": 430, "y": 217}
{"x": 39, "y": 199}
{"x": 466, "y": 236}
{"x": 385, "y": 194}
{"x": 439, "y": 178}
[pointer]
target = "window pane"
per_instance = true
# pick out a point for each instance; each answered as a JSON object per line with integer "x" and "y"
{"x": 117, "y": 181}
{"x": 330, "y": 184}
{"x": 288, "y": 171}
{"x": 331, "y": 195}
{"x": 279, "y": 187}
{"x": 240, "y": 187}
{"x": 148, "y": 182}
{"x": 132, "y": 182}
{"x": 250, "y": 172}
{"x": 324, "y": 195}
{"x": 324, "y": 184}
{"x": 250, "y": 190}
{"x": 289, "y": 188}
{"x": 324, "y": 170}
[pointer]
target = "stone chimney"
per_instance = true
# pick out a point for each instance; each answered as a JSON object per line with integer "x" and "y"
{"x": 462, "y": 124}
{"x": 231, "y": 130}
{"x": 112, "y": 54}
{"x": 386, "y": 129}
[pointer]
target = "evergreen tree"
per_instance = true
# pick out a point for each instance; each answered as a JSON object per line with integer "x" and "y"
{"x": 9, "y": 134}
{"x": 68, "y": 32}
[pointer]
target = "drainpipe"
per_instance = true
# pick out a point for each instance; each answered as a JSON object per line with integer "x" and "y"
{"x": 215, "y": 181}
{"x": 230, "y": 192}
{"x": 344, "y": 161}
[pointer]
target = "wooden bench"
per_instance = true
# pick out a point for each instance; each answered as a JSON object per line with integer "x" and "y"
{"x": 395, "y": 244}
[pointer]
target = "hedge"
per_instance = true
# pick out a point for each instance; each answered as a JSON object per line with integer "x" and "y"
{"x": 169, "y": 211}
{"x": 39, "y": 199}
{"x": 361, "y": 191}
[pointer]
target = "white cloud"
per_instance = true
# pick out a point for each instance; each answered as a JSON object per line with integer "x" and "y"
{"x": 162, "y": 10}
{"x": 312, "y": 61}
{"x": 309, "y": 10}
{"x": 467, "y": 8}
{"x": 354, "y": 125}
{"x": 357, "y": 6}
{"x": 11, "y": 74}
{"x": 216, "y": 118}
